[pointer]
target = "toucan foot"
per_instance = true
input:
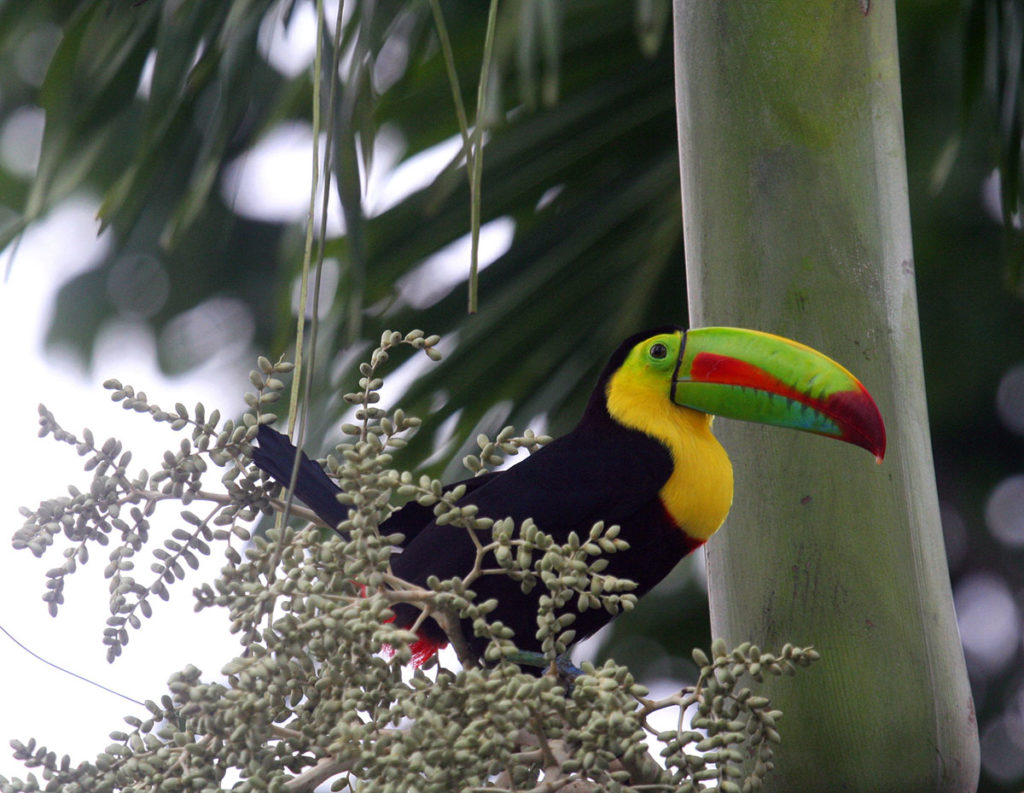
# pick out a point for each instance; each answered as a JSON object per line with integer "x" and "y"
{"x": 528, "y": 658}
{"x": 563, "y": 665}
{"x": 566, "y": 668}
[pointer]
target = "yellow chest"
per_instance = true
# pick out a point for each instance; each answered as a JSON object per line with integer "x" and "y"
{"x": 698, "y": 494}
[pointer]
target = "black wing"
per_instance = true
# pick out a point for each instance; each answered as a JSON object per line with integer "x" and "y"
{"x": 608, "y": 474}
{"x": 412, "y": 518}
{"x": 612, "y": 474}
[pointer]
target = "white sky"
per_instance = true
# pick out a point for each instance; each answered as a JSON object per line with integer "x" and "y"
{"x": 63, "y": 713}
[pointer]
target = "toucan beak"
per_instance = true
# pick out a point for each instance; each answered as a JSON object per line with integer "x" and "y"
{"x": 754, "y": 376}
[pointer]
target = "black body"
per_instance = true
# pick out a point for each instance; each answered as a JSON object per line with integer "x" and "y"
{"x": 601, "y": 471}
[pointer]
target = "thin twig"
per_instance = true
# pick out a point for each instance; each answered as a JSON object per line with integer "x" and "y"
{"x": 476, "y": 177}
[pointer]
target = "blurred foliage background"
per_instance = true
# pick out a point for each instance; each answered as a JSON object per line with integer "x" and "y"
{"x": 172, "y": 115}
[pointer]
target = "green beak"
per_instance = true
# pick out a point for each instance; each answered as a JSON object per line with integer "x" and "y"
{"x": 754, "y": 376}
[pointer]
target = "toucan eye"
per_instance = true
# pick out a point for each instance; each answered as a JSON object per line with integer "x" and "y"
{"x": 658, "y": 350}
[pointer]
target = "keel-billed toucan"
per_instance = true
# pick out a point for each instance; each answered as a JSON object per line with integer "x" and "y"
{"x": 642, "y": 457}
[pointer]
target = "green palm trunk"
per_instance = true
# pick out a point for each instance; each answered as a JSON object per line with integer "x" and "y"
{"x": 796, "y": 222}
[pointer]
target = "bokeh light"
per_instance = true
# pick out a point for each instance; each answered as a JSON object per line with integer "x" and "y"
{"x": 138, "y": 285}
{"x": 442, "y": 272}
{"x": 32, "y": 56}
{"x": 1010, "y": 399}
{"x": 289, "y": 48}
{"x": 1002, "y": 747}
{"x": 21, "y": 139}
{"x": 219, "y": 328}
{"x": 271, "y": 182}
{"x": 989, "y": 620}
{"x": 1004, "y": 512}
{"x": 330, "y": 277}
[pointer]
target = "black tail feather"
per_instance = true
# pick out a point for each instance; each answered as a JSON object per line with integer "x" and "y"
{"x": 275, "y": 455}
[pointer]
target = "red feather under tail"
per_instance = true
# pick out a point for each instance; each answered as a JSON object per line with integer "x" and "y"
{"x": 423, "y": 649}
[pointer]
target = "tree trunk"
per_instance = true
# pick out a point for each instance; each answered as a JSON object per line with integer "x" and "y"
{"x": 796, "y": 222}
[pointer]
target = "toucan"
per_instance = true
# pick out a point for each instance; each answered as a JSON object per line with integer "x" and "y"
{"x": 642, "y": 457}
